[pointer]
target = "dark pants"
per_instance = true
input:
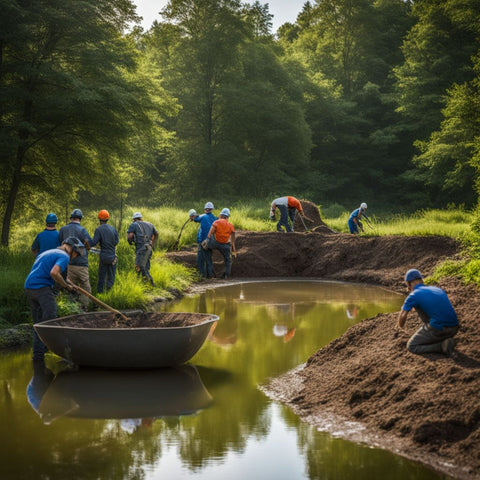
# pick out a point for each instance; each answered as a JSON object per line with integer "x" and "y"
{"x": 428, "y": 339}
{"x": 142, "y": 261}
{"x": 43, "y": 307}
{"x": 224, "y": 249}
{"x": 204, "y": 262}
{"x": 106, "y": 274}
{"x": 286, "y": 213}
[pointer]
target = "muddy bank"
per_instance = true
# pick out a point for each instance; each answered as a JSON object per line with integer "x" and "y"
{"x": 375, "y": 260}
{"x": 424, "y": 407}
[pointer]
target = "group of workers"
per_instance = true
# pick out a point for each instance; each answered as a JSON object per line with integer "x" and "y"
{"x": 61, "y": 257}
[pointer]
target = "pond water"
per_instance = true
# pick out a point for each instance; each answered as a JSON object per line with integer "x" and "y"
{"x": 204, "y": 420}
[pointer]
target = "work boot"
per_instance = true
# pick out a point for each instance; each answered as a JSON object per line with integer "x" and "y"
{"x": 447, "y": 346}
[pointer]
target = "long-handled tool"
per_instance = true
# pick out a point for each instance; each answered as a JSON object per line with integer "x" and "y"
{"x": 99, "y": 302}
{"x": 304, "y": 225}
{"x": 175, "y": 245}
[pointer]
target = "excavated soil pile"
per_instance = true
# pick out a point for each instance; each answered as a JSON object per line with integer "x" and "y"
{"x": 137, "y": 320}
{"x": 377, "y": 260}
{"x": 314, "y": 221}
{"x": 424, "y": 407}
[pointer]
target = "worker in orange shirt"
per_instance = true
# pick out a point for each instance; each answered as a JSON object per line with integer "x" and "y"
{"x": 288, "y": 207}
{"x": 221, "y": 237}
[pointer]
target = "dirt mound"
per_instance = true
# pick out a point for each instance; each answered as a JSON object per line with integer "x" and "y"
{"x": 376, "y": 260}
{"x": 313, "y": 221}
{"x": 422, "y": 406}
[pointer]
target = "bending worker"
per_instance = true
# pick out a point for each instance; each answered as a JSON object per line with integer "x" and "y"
{"x": 204, "y": 255}
{"x": 288, "y": 207}
{"x": 432, "y": 305}
{"x": 46, "y": 270}
{"x": 143, "y": 234}
{"x": 354, "y": 222}
{"x": 219, "y": 237}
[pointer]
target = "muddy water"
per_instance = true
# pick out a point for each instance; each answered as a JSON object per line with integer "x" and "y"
{"x": 205, "y": 420}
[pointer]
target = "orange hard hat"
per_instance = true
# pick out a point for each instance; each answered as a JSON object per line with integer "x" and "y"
{"x": 103, "y": 215}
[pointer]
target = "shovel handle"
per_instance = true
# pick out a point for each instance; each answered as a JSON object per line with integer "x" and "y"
{"x": 99, "y": 302}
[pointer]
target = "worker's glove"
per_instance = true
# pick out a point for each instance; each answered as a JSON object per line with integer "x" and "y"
{"x": 272, "y": 217}
{"x": 206, "y": 244}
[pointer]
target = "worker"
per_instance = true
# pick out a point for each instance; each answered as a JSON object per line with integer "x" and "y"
{"x": 144, "y": 235}
{"x": 107, "y": 237}
{"x": 354, "y": 222}
{"x": 77, "y": 271}
{"x": 288, "y": 207}
{"x": 440, "y": 323}
{"x": 221, "y": 237}
{"x": 48, "y": 238}
{"x": 46, "y": 270}
{"x": 204, "y": 255}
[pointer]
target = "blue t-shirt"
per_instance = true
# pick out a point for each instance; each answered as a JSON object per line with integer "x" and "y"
{"x": 435, "y": 303}
{"x": 46, "y": 240}
{"x": 205, "y": 220}
{"x": 74, "y": 229}
{"x": 356, "y": 214}
{"x": 39, "y": 276}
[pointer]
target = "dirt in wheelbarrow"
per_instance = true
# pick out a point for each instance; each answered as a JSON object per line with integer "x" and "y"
{"x": 136, "y": 320}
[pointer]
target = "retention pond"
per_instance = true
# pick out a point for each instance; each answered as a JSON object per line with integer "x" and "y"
{"x": 204, "y": 420}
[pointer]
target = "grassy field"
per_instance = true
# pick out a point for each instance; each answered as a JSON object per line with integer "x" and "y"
{"x": 130, "y": 292}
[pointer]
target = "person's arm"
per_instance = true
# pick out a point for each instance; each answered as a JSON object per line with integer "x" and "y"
{"x": 96, "y": 238}
{"x": 212, "y": 231}
{"x": 272, "y": 210}
{"x": 232, "y": 241}
{"x": 35, "y": 246}
{"x": 56, "y": 274}
{"x": 402, "y": 318}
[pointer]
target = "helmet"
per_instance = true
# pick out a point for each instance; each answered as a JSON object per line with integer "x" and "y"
{"x": 363, "y": 206}
{"x": 225, "y": 212}
{"x": 191, "y": 212}
{"x": 77, "y": 213}
{"x": 209, "y": 205}
{"x": 75, "y": 244}
{"x": 103, "y": 215}
{"x": 280, "y": 330}
{"x": 413, "y": 274}
{"x": 136, "y": 215}
{"x": 51, "y": 218}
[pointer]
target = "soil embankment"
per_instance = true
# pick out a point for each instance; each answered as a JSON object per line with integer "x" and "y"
{"x": 365, "y": 384}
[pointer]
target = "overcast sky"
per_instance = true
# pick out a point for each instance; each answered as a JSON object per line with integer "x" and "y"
{"x": 282, "y": 10}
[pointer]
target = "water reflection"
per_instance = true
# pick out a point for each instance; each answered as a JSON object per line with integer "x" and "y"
{"x": 138, "y": 396}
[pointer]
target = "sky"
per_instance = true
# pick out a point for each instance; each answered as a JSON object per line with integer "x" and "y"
{"x": 282, "y": 10}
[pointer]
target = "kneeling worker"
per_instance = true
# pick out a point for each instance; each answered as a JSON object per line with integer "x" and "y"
{"x": 439, "y": 319}
{"x": 219, "y": 237}
{"x": 46, "y": 270}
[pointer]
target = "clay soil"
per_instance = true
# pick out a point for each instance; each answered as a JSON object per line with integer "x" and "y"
{"x": 135, "y": 320}
{"x": 365, "y": 383}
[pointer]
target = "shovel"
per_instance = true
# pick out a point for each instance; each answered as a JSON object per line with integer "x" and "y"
{"x": 175, "y": 245}
{"x": 99, "y": 302}
{"x": 305, "y": 226}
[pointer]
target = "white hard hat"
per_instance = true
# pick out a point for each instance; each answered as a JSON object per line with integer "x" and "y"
{"x": 136, "y": 215}
{"x": 363, "y": 206}
{"x": 225, "y": 212}
{"x": 280, "y": 330}
{"x": 191, "y": 212}
{"x": 209, "y": 205}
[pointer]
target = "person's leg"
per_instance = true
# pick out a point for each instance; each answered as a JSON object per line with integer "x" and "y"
{"x": 111, "y": 272}
{"x": 102, "y": 274}
{"x": 147, "y": 266}
{"x": 291, "y": 214}
{"x": 43, "y": 307}
{"x": 79, "y": 276}
{"x": 225, "y": 251}
{"x": 430, "y": 340}
{"x": 209, "y": 263}
{"x": 352, "y": 226}
{"x": 283, "y": 219}
{"x": 201, "y": 261}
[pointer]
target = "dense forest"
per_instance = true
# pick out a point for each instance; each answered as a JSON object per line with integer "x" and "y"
{"x": 358, "y": 100}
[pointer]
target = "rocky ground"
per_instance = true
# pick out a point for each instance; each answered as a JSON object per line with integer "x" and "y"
{"x": 366, "y": 384}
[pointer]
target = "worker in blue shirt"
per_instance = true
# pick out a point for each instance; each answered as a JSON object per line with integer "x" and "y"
{"x": 47, "y": 239}
{"x": 204, "y": 255}
{"x": 440, "y": 322}
{"x": 107, "y": 237}
{"x": 354, "y": 222}
{"x": 47, "y": 269}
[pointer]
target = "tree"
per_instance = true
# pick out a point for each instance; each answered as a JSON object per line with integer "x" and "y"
{"x": 68, "y": 95}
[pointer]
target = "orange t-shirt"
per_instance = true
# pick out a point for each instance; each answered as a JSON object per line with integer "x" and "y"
{"x": 223, "y": 229}
{"x": 293, "y": 202}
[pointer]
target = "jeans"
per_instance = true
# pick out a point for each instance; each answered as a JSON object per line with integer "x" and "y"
{"x": 142, "y": 261}
{"x": 106, "y": 274}
{"x": 43, "y": 307}
{"x": 224, "y": 249}
{"x": 286, "y": 213}
{"x": 428, "y": 339}
{"x": 204, "y": 262}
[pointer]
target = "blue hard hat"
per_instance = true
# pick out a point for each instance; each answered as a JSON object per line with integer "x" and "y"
{"x": 51, "y": 218}
{"x": 77, "y": 213}
{"x": 225, "y": 212}
{"x": 413, "y": 274}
